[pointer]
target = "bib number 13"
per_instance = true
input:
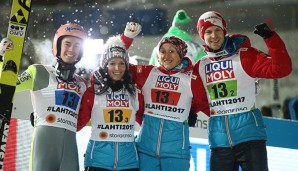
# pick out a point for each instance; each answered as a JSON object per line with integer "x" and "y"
{"x": 223, "y": 89}
{"x": 165, "y": 97}
{"x": 67, "y": 99}
{"x": 117, "y": 115}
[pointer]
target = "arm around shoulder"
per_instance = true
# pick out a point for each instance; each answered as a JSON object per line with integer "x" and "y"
{"x": 200, "y": 100}
{"x": 85, "y": 108}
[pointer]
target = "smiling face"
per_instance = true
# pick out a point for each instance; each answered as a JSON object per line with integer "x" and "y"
{"x": 168, "y": 57}
{"x": 70, "y": 49}
{"x": 214, "y": 37}
{"x": 116, "y": 68}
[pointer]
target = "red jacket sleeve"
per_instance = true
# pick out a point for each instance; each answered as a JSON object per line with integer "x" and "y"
{"x": 140, "y": 74}
{"x": 200, "y": 101}
{"x": 85, "y": 108}
{"x": 126, "y": 40}
{"x": 140, "y": 112}
{"x": 275, "y": 65}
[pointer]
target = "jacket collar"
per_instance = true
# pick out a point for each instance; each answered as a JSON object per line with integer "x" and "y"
{"x": 230, "y": 46}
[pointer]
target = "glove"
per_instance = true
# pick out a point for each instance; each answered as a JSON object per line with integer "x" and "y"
{"x": 6, "y": 44}
{"x": 99, "y": 81}
{"x": 192, "y": 118}
{"x": 98, "y": 78}
{"x": 132, "y": 29}
{"x": 263, "y": 30}
{"x": 32, "y": 119}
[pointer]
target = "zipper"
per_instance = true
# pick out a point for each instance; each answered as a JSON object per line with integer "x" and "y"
{"x": 116, "y": 156}
{"x": 137, "y": 156}
{"x": 228, "y": 131}
{"x": 91, "y": 156}
{"x": 256, "y": 121}
{"x": 159, "y": 138}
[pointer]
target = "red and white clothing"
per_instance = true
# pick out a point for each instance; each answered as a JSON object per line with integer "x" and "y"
{"x": 112, "y": 115}
{"x": 168, "y": 98}
{"x": 229, "y": 80}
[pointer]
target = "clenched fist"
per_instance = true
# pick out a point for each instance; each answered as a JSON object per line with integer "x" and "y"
{"x": 6, "y": 44}
{"x": 132, "y": 29}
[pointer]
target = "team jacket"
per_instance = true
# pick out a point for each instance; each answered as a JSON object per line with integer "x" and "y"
{"x": 229, "y": 80}
{"x": 112, "y": 116}
{"x": 168, "y": 97}
{"x": 55, "y": 103}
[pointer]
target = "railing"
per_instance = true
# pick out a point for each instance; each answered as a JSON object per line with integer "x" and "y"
{"x": 293, "y": 113}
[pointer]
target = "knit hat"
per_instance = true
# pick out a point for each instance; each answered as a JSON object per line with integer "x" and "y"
{"x": 181, "y": 18}
{"x": 208, "y": 19}
{"x": 180, "y": 25}
{"x": 179, "y": 44}
{"x": 114, "y": 48}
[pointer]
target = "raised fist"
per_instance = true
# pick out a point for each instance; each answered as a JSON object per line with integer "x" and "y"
{"x": 6, "y": 44}
{"x": 132, "y": 29}
{"x": 263, "y": 30}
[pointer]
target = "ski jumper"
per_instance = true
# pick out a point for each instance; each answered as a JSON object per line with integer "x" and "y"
{"x": 56, "y": 105}
{"x": 113, "y": 116}
{"x": 230, "y": 86}
{"x": 236, "y": 130}
{"x": 163, "y": 141}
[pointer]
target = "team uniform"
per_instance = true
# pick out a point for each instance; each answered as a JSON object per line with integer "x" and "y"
{"x": 229, "y": 79}
{"x": 112, "y": 104}
{"x": 168, "y": 97}
{"x": 56, "y": 106}
{"x": 113, "y": 116}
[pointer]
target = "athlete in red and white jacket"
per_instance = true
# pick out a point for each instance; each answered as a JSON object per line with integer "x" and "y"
{"x": 170, "y": 91}
{"x": 229, "y": 71}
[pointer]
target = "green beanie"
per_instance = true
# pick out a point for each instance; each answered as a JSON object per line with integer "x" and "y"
{"x": 180, "y": 22}
{"x": 181, "y": 18}
{"x": 175, "y": 31}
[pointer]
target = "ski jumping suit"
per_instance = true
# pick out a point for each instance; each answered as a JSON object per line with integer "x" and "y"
{"x": 113, "y": 116}
{"x": 56, "y": 105}
{"x": 163, "y": 141}
{"x": 229, "y": 80}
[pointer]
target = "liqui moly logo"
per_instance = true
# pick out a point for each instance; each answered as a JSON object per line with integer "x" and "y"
{"x": 117, "y": 100}
{"x": 217, "y": 71}
{"x": 167, "y": 82}
{"x": 69, "y": 86}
